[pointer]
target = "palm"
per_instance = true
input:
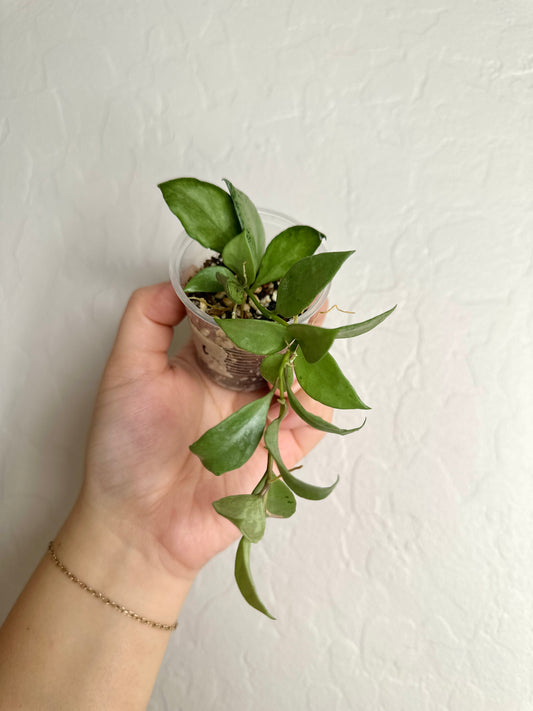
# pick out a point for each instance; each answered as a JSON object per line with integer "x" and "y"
{"x": 139, "y": 458}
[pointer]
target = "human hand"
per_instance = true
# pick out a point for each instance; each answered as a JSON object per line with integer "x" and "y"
{"x": 141, "y": 477}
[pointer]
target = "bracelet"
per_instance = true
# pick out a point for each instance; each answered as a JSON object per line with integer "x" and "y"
{"x": 104, "y": 598}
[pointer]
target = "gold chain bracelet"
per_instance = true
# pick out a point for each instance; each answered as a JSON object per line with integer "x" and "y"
{"x": 105, "y": 599}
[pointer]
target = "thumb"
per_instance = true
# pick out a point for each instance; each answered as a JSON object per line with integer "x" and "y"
{"x": 145, "y": 331}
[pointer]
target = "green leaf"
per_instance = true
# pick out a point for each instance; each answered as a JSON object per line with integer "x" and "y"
{"x": 253, "y": 335}
{"x": 356, "y": 329}
{"x": 232, "y": 442}
{"x": 305, "y": 490}
{"x": 280, "y": 500}
{"x": 270, "y": 367}
{"x": 286, "y": 249}
{"x": 300, "y": 488}
{"x": 239, "y": 255}
{"x": 206, "y": 279}
{"x": 271, "y": 443}
{"x": 314, "y": 420}
{"x": 206, "y": 211}
{"x": 243, "y": 577}
{"x": 324, "y": 382}
{"x": 314, "y": 340}
{"x": 250, "y": 221}
{"x": 246, "y": 511}
{"x": 306, "y": 279}
{"x": 232, "y": 287}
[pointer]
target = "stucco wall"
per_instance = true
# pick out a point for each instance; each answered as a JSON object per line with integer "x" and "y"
{"x": 400, "y": 128}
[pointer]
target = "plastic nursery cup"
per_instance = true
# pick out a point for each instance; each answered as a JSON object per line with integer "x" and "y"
{"x": 225, "y": 363}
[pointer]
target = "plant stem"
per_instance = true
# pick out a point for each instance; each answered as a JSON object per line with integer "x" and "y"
{"x": 243, "y": 312}
{"x": 270, "y": 473}
{"x": 269, "y": 314}
{"x": 283, "y": 407}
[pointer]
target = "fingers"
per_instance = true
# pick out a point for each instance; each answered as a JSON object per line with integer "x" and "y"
{"x": 318, "y": 318}
{"x": 145, "y": 332}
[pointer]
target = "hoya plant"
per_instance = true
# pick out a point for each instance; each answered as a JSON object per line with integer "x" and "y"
{"x": 261, "y": 293}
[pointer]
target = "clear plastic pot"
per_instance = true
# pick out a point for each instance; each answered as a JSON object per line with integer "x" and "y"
{"x": 225, "y": 363}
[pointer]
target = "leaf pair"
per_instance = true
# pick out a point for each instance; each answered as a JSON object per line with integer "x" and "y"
{"x": 249, "y": 511}
{"x": 280, "y": 500}
{"x": 266, "y": 337}
{"x": 246, "y": 511}
{"x": 315, "y": 341}
{"x": 300, "y": 488}
{"x": 317, "y": 371}
{"x": 270, "y": 370}
{"x": 228, "y": 224}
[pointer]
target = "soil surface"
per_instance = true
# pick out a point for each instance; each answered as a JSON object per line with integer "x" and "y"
{"x": 221, "y": 306}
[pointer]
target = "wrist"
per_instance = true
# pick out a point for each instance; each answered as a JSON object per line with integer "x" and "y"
{"x": 115, "y": 561}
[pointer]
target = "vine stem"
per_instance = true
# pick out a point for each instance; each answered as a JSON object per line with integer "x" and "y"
{"x": 269, "y": 472}
{"x": 271, "y": 476}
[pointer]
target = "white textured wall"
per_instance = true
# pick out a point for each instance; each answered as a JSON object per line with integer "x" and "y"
{"x": 401, "y": 128}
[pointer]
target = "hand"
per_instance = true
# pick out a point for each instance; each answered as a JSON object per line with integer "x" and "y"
{"x": 141, "y": 478}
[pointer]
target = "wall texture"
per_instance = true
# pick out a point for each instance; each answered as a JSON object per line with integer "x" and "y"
{"x": 400, "y": 128}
